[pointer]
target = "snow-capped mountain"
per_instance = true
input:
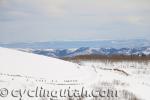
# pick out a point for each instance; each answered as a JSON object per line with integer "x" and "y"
{"x": 89, "y": 51}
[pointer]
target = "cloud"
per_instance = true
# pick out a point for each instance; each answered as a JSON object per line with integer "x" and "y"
{"x": 72, "y": 19}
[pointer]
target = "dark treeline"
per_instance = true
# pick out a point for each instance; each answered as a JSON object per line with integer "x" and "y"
{"x": 110, "y": 57}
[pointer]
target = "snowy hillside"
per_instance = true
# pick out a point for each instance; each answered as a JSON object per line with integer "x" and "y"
{"x": 86, "y": 50}
{"x": 17, "y": 62}
{"x": 21, "y": 70}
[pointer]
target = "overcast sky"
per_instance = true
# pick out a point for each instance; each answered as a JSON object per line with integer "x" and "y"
{"x": 51, "y": 20}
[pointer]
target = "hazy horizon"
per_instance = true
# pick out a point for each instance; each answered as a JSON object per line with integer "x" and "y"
{"x": 78, "y": 44}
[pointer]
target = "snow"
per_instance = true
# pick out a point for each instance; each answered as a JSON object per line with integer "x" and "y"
{"x": 138, "y": 81}
{"x": 27, "y": 64}
{"x": 20, "y": 70}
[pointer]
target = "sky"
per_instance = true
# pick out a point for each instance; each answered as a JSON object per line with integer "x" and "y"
{"x": 71, "y": 20}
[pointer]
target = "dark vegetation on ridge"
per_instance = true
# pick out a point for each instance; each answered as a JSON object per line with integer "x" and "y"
{"x": 110, "y": 57}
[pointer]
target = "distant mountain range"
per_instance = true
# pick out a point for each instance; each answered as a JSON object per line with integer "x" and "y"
{"x": 136, "y": 43}
{"x": 73, "y": 48}
{"x": 59, "y": 53}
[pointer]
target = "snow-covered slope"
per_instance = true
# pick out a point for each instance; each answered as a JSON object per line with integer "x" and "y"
{"x": 27, "y": 64}
{"x": 19, "y": 69}
{"x": 137, "y": 80}
{"x": 26, "y": 71}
